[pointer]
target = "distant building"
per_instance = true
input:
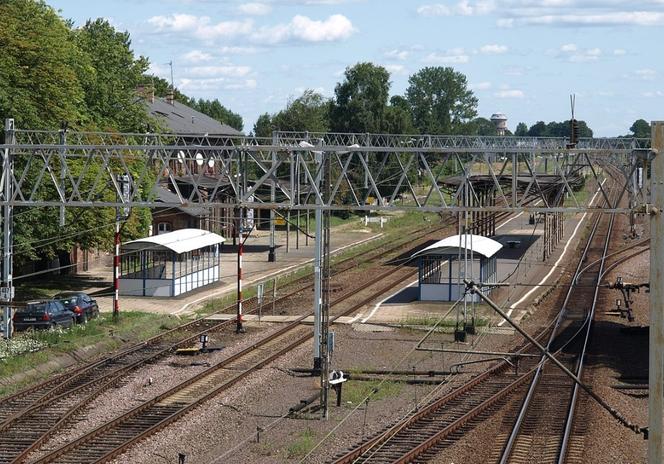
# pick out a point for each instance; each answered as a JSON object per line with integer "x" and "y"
{"x": 500, "y": 121}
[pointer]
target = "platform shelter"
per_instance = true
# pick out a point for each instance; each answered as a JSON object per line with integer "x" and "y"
{"x": 170, "y": 264}
{"x": 444, "y": 264}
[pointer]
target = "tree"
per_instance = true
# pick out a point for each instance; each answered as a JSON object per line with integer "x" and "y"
{"x": 521, "y": 129}
{"x": 640, "y": 129}
{"x": 539, "y": 129}
{"x": 481, "y": 126}
{"x": 263, "y": 126}
{"x": 39, "y": 85}
{"x": 398, "y": 118}
{"x": 360, "y": 100}
{"x": 216, "y": 110}
{"x": 440, "y": 100}
{"x": 308, "y": 112}
{"x": 111, "y": 77}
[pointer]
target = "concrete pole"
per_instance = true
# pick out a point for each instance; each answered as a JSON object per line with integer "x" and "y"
{"x": 656, "y": 343}
{"x": 7, "y": 293}
{"x": 272, "y": 254}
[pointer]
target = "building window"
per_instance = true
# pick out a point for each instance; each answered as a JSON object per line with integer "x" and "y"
{"x": 163, "y": 227}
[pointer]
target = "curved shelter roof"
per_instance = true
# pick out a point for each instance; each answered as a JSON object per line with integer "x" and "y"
{"x": 178, "y": 241}
{"x": 484, "y": 246}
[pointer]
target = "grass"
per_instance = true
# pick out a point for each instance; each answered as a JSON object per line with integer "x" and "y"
{"x": 355, "y": 392}
{"x": 304, "y": 443}
{"x": 32, "y": 348}
{"x": 431, "y": 321}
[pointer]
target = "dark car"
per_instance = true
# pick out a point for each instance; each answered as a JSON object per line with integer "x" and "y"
{"x": 80, "y": 304}
{"x": 43, "y": 315}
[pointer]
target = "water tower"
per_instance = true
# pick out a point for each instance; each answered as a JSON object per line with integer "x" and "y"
{"x": 500, "y": 121}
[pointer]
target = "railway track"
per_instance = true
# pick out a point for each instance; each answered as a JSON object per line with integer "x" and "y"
{"x": 111, "y": 439}
{"x": 421, "y": 436}
{"x": 28, "y": 418}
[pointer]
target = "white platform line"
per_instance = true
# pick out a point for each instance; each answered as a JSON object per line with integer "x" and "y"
{"x": 554, "y": 267}
{"x": 377, "y": 305}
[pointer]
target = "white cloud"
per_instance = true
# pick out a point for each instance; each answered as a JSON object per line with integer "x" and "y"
{"x": 656, "y": 93}
{"x": 254, "y": 9}
{"x": 646, "y": 74}
{"x": 396, "y": 68}
{"x": 200, "y": 27}
{"x": 302, "y": 28}
{"x": 215, "y": 84}
{"x": 619, "y": 52}
{"x": 505, "y": 23}
{"x": 453, "y": 56}
{"x": 509, "y": 94}
{"x": 617, "y": 18}
{"x": 197, "y": 56}
{"x": 461, "y": 8}
{"x": 571, "y": 52}
{"x": 434, "y": 10}
{"x": 397, "y": 54}
{"x": 214, "y": 71}
{"x": 481, "y": 86}
{"x": 493, "y": 49}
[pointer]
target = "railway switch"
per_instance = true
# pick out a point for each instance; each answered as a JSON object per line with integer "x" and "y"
{"x": 627, "y": 289}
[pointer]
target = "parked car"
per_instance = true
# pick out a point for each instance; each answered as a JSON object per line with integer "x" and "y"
{"x": 80, "y": 304}
{"x": 43, "y": 315}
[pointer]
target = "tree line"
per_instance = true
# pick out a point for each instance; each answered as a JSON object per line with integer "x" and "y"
{"x": 53, "y": 73}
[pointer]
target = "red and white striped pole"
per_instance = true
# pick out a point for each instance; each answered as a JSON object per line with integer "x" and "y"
{"x": 116, "y": 271}
{"x": 240, "y": 252}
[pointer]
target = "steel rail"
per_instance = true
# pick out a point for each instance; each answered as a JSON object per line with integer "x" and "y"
{"x": 113, "y": 377}
{"x": 284, "y": 331}
{"x": 525, "y": 408}
{"x": 384, "y": 437}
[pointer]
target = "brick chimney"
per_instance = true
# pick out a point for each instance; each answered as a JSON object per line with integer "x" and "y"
{"x": 170, "y": 97}
{"x": 145, "y": 91}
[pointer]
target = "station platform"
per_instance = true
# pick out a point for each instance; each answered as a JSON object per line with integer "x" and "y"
{"x": 256, "y": 268}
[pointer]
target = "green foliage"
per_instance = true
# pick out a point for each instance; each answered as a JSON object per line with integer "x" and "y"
{"x": 398, "y": 117}
{"x": 263, "y": 126}
{"x": 110, "y": 77}
{"x": 360, "y": 103}
{"x": 521, "y": 129}
{"x": 557, "y": 129}
{"x": 40, "y": 66}
{"x": 309, "y": 112}
{"x": 481, "y": 126}
{"x": 51, "y": 73}
{"x": 355, "y": 392}
{"x": 640, "y": 129}
{"x": 440, "y": 100}
{"x": 216, "y": 110}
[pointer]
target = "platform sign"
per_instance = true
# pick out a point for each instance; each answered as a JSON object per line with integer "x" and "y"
{"x": 249, "y": 220}
{"x": 279, "y": 221}
{"x": 370, "y": 201}
{"x": 260, "y": 292}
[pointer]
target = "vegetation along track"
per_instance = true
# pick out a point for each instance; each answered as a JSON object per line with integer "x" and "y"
{"x": 31, "y": 416}
{"x": 422, "y": 435}
{"x": 112, "y": 438}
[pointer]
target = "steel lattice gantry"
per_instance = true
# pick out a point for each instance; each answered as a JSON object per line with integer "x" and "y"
{"x": 81, "y": 169}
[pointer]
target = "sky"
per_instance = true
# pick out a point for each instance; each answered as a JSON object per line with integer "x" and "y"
{"x": 521, "y": 57}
